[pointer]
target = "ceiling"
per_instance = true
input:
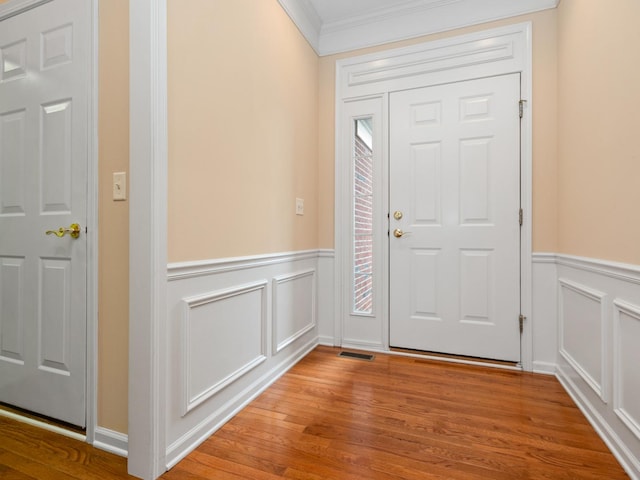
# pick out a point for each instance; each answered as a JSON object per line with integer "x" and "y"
{"x": 333, "y": 26}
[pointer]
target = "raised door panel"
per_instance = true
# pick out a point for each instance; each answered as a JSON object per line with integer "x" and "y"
{"x": 56, "y": 166}
{"x": 11, "y": 314}
{"x": 12, "y": 162}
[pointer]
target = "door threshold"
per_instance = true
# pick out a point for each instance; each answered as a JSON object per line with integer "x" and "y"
{"x": 43, "y": 422}
{"x": 446, "y": 357}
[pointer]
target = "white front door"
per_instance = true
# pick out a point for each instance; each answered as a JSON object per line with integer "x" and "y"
{"x": 455, "y": 182}
{"x": 44, "y": 118}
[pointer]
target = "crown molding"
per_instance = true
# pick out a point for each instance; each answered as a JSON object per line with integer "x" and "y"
{"x": 306, "y": 19}
{"x": 409, "y": 19}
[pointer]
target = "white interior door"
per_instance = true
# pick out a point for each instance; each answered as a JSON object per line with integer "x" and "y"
{"x": 44, "y": 85}
{"x": 455, "y": 178}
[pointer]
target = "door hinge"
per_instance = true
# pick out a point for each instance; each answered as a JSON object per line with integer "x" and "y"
{"x": 521, "y": 320}
{"x": 521, "y": 107}
{"x": 520, "y": 217}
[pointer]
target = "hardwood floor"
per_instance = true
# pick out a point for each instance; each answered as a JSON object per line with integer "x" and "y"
{"x": 404, "y": 418}
{"x": 394, "y": 418}
{"x": 30, "y": 453}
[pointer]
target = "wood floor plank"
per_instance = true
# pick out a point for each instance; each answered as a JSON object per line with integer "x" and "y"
{"x": 401, "y": 418}
{"x": 28, "y": 452}
{"x": 395, "y": 418}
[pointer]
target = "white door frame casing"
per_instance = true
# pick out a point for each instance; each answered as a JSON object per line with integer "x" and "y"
{"x": 148, "y": 161}
{"x": 487, "y": 53}
{"x": 11, "y": 8}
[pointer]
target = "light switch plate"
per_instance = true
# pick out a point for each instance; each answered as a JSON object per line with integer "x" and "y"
{"x": 119, "y": 185}
{"x": 299, "y": 206}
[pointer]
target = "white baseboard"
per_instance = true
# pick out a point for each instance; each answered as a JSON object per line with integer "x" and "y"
{"x": 326, "y": 341}
{"x": 608, "y": 434}
{"x": 362, "y": 345}
{"x": 111, "y": 441}
{"x": 545, "y": 368}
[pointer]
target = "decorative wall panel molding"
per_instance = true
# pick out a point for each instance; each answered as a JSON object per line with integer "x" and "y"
{"x": 626, "y": 378}
{"x": 294, "y": 312}
{"x": 224, "y": 335}
{"x": 583, "y": 330}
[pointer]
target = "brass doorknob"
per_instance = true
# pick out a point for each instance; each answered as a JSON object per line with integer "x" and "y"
{"x": 73, "y": 231}
{"x": 398, "y": 233}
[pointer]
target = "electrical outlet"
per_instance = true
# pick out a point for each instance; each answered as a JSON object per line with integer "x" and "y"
{"x": 119, "y": 185}
{"x": 299, "y": 206}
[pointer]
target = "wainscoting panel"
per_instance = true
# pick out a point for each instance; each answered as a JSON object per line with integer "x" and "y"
{"x": 293, "y": 307}
{"x": 237, "y": 315}
{"x": 599, "y": 335}
{"x": 583, "y": 332}
{"x": 626, "y": 360}
{"x": 234, "y": 326}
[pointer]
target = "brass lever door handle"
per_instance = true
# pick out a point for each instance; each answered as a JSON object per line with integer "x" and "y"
{"x": 399, "y": 233}
{"x": 73, "y": 231}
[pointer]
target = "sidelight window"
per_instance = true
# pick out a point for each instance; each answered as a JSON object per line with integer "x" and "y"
{"x": 362, "y": 228}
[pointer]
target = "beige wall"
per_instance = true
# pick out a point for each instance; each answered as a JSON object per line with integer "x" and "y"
{"x": 243, "y": 130}
{"x": 544, "y": 128}
{"x": 113, "y": 217}
{"x": 599, "y": 126}
{"x": 244, "y": 110}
